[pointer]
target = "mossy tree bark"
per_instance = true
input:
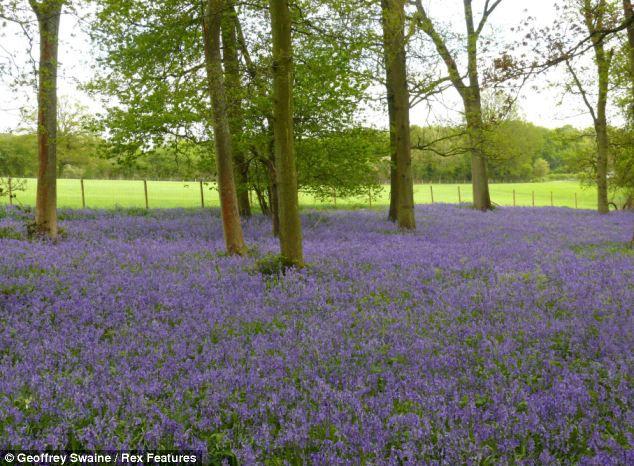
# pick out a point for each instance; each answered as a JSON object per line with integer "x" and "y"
{"x": 234, "y": 239}
{"x": 401, "y": 181}
{"x": 235, "y": 99}
{"x": 594, "y": 16}
{"x": 628, "y": 12}
{"x": 288, "y": 204}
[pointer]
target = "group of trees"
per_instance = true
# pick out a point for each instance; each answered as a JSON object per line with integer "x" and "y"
{"x": 272, "y": 90}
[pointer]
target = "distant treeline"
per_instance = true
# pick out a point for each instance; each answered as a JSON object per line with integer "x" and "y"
{"x": 517, "y": 151}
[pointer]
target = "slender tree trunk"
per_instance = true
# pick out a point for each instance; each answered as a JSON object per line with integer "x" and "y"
{"x": 473, "y": 114}
{"x": 234, "y": 105}
{"x": 273, "y": 190}
{"x": 402, "y": 188}
{"x": 602, "y": 165}
{"x": 234, "y": 239}
{"x": 475, "y": 132}
{"x": 48, "y": 16}
{"x": 603, "y": 61}
{"x": 288, "y": 203}
{"x": 603, "y": 141}
{"x": 629, "y": 17}
{"x": 392, "y": 212}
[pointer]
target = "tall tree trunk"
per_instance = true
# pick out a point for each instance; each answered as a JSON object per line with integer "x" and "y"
{"x": 392, "y": 212}
{"x": 603, "y": 143}
{"x": 288, "y": 203}
{"x": 473, "y": 114}
{"x": 629, "y": 18}
{"x": 48, "y": 15}
{"x": 601, "y": 128}
{"x": 273, "y": 188}
{"x": 594, "y": 21}
{"x": 234, "y": 105}
{"x": 273, "y": 180}
{"x": 402, "y": 187}
{"x": 234, "y": 239}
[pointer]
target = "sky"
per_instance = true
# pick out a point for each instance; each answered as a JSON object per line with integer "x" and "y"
{"x": 537, "y": 102}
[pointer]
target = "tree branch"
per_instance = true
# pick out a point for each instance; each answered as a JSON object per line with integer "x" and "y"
{"x": 428, "y": 28}
{"x": 582, "y": 90}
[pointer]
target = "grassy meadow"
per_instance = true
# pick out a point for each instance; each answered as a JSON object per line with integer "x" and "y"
{"x": 166, "y": 194}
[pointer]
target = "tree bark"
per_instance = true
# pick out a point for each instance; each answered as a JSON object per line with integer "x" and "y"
{"x": 234, "y": 105}
{"x": 392, "y": 212}
{"x": 48, "y": 15}
{"x": 402, "y": 187}
{"x": 273, "y": 190}
{"x": 234, "y": 239}
{"x": 629, "y": 18}
{"x": 473, "y": 112}
{"x": 288, "y": 203}
{"x": 594, "y": 22}
{"x": 475, "y": 133}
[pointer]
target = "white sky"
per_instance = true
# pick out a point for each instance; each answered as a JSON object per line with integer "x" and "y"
{"x": 539, "y": 107}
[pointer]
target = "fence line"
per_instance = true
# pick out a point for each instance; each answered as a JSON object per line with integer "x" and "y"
{"x": 127, "y": 193}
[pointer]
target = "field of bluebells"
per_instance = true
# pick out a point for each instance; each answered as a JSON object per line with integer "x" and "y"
{"x": 483, "y": 338}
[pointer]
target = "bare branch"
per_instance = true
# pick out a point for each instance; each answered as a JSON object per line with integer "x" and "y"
{"x": 428, "y": 28}
{"x": 581, "y": 89}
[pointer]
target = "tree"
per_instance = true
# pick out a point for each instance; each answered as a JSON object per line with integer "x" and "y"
{"x": 540, "y": 168}
{"x": 235, "y": 100}
{"x": 596, "y": 16}
{"x": 628, "y": 16}
{"x": 153, "y": 68}
{"x": 48, "y": 14}
{"x": 470, "y": 92}
{"x": 402, "y": 188}
{"x": 234, "y": 239}
{"x": 288, "y": 204}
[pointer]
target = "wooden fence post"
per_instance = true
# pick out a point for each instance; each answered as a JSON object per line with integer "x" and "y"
{"x": 370, "y": 197}
{"x": 147, "y": 204}
{"x": 513, "y": 198}
{"x": 10, "y": 191}
{"x": 552, "y": 204}
{"x": 202, "y": 195}
{"x": 459, "y": 196}
{"x": 533, "y": 196}
{"x": 576, "y": 203}
{"x": 83, "y": 194}
{"x": 431, "y": 190}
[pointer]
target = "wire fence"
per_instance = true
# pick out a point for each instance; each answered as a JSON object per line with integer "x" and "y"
{"x": 85, "y": 193}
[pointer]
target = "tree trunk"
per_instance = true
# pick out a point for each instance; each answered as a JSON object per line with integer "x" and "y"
{"x": 234, "y": 239}
{"x": 601, "y": 129}
{"x": 392, "y": 212}
{"x": 473, "y": 116}
{"x": 475, "y": 133}
{"x": 603, "y": 61}
{"x": 629, "y": 17}
{"x": 234, "y": 105}
{"x": 273, "y": 190}
{"x": 402, "y": 188}
{"x": 288, "y": 203}
{"x": 48, "y": 16}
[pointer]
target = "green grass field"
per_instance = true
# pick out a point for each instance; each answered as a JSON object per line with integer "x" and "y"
{"x": 165, "y": 194}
